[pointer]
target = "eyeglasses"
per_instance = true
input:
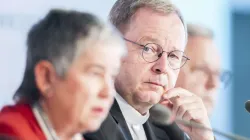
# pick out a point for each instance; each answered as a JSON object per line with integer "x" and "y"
{"x": 224, "y": 76}
{"x": 152, "y": 52}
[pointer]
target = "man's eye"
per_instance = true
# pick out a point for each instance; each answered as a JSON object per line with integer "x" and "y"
{"x": 173, "y": 56}
{"x": 148, "y": 49}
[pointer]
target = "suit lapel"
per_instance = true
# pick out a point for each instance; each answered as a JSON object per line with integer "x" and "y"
{"x": 122, "y": 125}
{"x": 152, "y": 132}
{"x": 148, "y": 131}
{"x": 173, "y": 131}
{"x": 113, "y": 128}
{"x": 120, "y": 120}
{"x": 167, "y": 132}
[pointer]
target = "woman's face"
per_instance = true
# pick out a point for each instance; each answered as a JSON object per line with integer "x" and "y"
{"x": 86, "y": 92}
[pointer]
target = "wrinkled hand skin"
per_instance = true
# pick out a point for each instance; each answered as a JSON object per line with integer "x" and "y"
{"x": 188, "y": 107}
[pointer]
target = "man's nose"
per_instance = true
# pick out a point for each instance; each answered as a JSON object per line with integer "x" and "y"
{"x": 161, "y": 65}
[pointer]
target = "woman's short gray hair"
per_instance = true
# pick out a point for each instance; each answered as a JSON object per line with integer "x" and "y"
{"x": 123, "y": 10}
{"x": 55, "y": 38}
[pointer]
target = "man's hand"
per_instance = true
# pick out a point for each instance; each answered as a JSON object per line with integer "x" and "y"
{"x": 188, "y": 107}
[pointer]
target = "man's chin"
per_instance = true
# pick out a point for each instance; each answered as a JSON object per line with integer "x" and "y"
{"x": 151, "y": 98}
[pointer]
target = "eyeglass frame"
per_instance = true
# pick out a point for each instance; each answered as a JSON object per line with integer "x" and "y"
{"x": 186, "y": 58}
{"x": 224, "y": 76}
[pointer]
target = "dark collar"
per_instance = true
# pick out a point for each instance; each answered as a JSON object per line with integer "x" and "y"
{"x": 120, "y": 120}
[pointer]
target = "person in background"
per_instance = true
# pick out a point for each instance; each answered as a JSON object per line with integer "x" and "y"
{"x": 67, "y": 89}
{"x": 203, "y": 74}
{"x": 155, "y": 35}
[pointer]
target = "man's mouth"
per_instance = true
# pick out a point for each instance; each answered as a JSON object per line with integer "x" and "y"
{"x": 156, "y": 83}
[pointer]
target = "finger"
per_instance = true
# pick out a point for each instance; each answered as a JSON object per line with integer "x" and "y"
{"x": 183, "y": 100}
{"x": 193, "y": 115}
{"x": 167, "y": 103}
{"x": 191, "y": 119}
{"x": 179, "y": 101}
{"x": 185, "y": 108}
{"x": 176, "y": 92}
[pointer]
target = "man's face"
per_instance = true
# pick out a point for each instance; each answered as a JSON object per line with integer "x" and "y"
{"x": 142, "y": 83}
{"x": 201, "y": 75}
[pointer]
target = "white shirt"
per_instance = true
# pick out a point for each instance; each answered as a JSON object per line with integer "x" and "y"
{"x": 133, "y": 119}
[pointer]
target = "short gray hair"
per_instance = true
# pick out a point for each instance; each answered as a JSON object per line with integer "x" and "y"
{"x": 123, "y": 10}
{"x": 55, "y": 39}
{"x": 199, "y": 30}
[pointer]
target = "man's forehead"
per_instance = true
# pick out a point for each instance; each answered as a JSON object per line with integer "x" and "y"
{"x": 147, "y": 17}
{"x": 161, "y": 35}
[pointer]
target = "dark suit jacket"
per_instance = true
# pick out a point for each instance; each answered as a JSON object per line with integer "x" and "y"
{"x": 115, "y": 128}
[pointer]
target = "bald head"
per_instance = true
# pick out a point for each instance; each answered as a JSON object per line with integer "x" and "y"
{"x": 201, "y": 74}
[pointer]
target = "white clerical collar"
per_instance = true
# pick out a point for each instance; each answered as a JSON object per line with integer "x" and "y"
{"x": 45, "y": 125}
{"x": 131, "y": 115}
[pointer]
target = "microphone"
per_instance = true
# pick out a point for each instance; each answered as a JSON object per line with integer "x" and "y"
{"x": 162, "y": 115}
{"x": 247, "y": 106}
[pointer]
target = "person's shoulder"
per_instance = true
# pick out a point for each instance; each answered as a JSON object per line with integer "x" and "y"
{"x": 15, "y": 120}
{"x": 15, "y": 114}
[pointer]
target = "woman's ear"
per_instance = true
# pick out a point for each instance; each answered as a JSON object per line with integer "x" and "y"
{"x": 45, "y": 77}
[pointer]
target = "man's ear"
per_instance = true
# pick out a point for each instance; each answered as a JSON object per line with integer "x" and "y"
{"x": 45, "y": 77}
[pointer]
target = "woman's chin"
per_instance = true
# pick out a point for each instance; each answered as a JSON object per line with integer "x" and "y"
{"x": 93, "y": 125}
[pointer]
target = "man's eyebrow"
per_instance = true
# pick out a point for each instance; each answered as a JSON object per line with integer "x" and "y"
{"x": 156, "y": 41}
{"x": 150, "y": 39}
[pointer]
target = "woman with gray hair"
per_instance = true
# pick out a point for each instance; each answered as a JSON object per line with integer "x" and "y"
{"x": 67, "y": 89}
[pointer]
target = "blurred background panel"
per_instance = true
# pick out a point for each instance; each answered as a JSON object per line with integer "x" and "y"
{"x": 241, "y": 65}
{"x": 230, "y": 20}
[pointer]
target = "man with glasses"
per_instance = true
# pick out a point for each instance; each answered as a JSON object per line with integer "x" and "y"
{"x": 155, "y": 34}
{"x": 203, "y": 75}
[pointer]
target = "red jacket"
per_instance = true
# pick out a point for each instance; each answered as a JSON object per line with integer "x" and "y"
{"x": 19, "y": 121}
